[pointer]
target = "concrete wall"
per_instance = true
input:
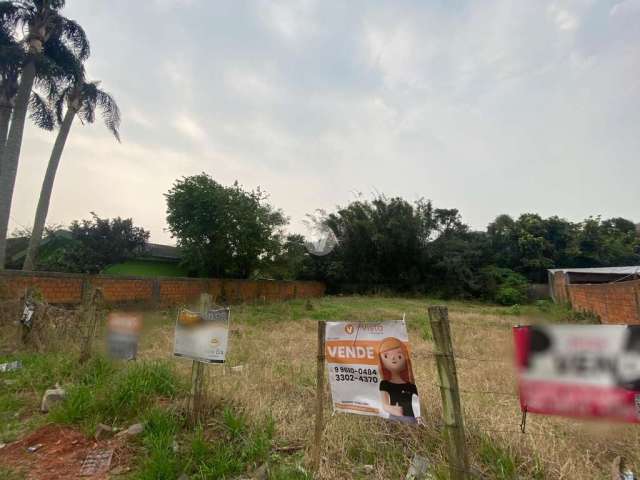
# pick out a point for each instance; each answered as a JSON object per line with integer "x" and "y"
{"x": 62, "y": 288}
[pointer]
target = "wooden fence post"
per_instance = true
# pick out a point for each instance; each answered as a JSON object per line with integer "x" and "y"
{"x": 91, "y": 297}
{"x": 452, "y": 411}
{"x": 317, "y": 439}
{"x": 27, "y": 315}
{"x": 196, "y": 399}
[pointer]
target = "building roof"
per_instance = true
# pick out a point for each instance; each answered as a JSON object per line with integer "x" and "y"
{"x": 165, "y": 252}
{"x": 630, "y": 270}
{"x": 17, "y": 247}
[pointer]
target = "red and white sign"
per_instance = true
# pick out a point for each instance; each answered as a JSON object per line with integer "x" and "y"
{"x": 580, "y": 370}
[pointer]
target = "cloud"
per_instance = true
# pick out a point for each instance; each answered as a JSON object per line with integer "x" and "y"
{"x": 290, "y": 19}
{"x": 466, "y": 103}
{"x": 250, "y": 83}
{"x": 138, "y": 117}
{"x": 164, "y": 5}
{"x": 626, "y": 7}
{"x": 189, "y": 127}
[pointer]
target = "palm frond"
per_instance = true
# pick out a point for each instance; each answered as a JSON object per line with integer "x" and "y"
{"x": 40, "y": 112}
{"x": 87, "y": 112}
{"x": 12, "y": 15}
{"x": 58, "y": 104}
{"x": 69, "y": 65}
{"x": 73, "y": 34}
{"x": 110, "y": 112}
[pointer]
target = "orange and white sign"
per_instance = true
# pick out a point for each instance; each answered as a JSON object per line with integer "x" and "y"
{"x": 370, "y": 370}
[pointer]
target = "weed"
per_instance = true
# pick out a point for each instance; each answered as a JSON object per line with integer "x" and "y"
{"x": 109, "y": 395}
{"x": 10, "y": 474}
{"x": 504, "y": 464}
{"x": 161, "y": 460}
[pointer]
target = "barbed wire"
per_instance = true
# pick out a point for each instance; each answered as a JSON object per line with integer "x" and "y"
{"x": 457, "y": 356}
{"x": 481, "y": 392}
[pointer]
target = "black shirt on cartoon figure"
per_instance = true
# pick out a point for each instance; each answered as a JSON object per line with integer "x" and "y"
{"x": 400, "y": 394}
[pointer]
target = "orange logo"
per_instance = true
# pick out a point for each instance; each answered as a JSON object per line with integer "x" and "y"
{"x": 348, "y": 328}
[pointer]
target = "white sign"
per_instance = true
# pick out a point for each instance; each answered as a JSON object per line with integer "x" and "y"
{"x": 202, "y": 337}
{"x": 370, "y": 369}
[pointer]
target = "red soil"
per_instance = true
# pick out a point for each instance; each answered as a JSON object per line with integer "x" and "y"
{"x": 60, "y": 456}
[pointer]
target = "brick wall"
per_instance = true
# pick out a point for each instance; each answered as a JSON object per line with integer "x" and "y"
{"x": 61, "y": 288}
{"x": 558, "y": 283}
{"x": 614, "y": 303}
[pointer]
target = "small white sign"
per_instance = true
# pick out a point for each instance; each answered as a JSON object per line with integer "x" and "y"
{"x": 203, "y": 338}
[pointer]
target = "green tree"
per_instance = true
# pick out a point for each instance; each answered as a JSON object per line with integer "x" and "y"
{"x": 611, "y": 242}
{"x": 97, "y": 243}
{"x": 81, "y": 100}
{"x": 46, "y": 31}
{"x": 289, "y": 262}
{"x": 379, "y": 242}
{"x": 223, "y": 231}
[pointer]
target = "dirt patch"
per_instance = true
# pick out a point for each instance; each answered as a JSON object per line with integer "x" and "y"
{"x": 60, "y": 454}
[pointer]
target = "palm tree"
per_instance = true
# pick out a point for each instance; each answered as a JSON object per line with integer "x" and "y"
{"x": 56, "y": 68}
{"x": 43, "y": 24}
{"x": 82, "y": 100}
{"x": 11, "y": 57}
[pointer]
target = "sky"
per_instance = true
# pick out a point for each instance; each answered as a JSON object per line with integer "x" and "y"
{"x": 487, "y": 106}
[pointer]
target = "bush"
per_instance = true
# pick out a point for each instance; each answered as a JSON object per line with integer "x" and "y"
{"x": 504, "y": 286}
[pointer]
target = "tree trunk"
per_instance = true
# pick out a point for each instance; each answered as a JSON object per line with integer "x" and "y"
{"x": 47, "y": 188}
{"x": 5, "y": 116}
{"x": 12, "y": 153}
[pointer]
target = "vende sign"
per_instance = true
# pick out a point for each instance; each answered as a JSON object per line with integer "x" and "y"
{"x": 580, "y": 370}
{"x": 370, "y": 370}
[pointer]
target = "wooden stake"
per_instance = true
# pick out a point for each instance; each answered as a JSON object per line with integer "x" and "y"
{"x": 317, "y": 439}
{"x": 196, "y": 399}
{"x": 92, "y": 296}
{"x": 452, "y": 411}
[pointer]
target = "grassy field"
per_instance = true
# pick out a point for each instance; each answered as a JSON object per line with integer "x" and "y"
{"x": 262, "y": 415}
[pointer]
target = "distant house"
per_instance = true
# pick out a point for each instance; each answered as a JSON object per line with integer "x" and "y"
{"x": 17, "y": 247}
{"x": 157, "y": 260}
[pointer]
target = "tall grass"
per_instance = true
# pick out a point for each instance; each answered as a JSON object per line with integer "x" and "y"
{"x": 110, "y": 395}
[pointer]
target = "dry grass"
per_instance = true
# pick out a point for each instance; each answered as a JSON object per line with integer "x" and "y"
{"x": 276, "y": 344}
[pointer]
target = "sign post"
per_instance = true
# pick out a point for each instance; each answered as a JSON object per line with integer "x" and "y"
{"x": 452, "y": 411}
{"x": 197, "y": 373}
{"x": 319, "y": 396}
{"x": 89, "y": 311}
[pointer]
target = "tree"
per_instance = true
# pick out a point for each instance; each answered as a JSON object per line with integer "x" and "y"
{"x": 10, "y": 60}
{"x": 97, "y": 243}
{"x": 46, "y": 30}
{"x": 289, "y": 262}
{"x": 81, "y": 99}
{"x": 222, "y": 231}
{"x": 48, "y": 75}
{"x": 380, "y": 243}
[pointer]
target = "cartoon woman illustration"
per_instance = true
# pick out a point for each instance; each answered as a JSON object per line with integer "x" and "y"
{"x": 397, "y": 386}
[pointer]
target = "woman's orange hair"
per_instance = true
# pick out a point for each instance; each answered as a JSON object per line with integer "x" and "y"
{"x": 391, "y": 343}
